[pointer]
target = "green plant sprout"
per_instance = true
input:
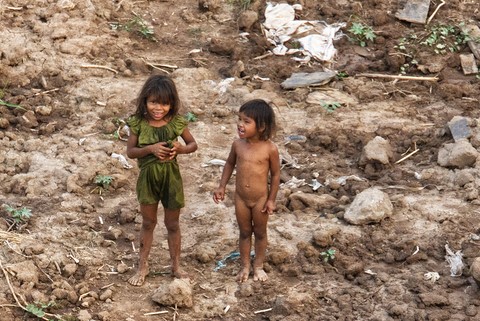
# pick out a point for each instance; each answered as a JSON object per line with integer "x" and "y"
{"x": 446, "y": 38}
{"x": 362, "y": 33}
{"x": 191, "y": 117}
{"x": 10, "y": 105}
{"x": 342, "y": 75}
{"x": 331, "y": 106}
{"x": 103, "y": 183}
{"x": 138, "y": 25}
{"x": 21, "y": 215}
{"x": 328, "y": 255}
{"x": 243, "y": 4}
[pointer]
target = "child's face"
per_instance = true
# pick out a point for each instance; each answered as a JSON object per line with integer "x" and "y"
{"x": 157, "y": 110}
{"x": 246, "y": 126}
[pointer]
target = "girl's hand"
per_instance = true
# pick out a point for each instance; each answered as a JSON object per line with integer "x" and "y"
{"x": 269, "y": 207}
{"x": 219, "y": 195}
{"x": 161, "y": 150}
{"x": 177, "y": 148}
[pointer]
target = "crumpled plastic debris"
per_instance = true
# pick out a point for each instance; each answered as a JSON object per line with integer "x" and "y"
{"x": 316, "y": 37}
{"x": 122, "y": 160}
{"x": 432, "y": 276}
{"x": 315, "y": 184}
{"x": 214, "y": 162}
{"x": 232, "y": 256}
{"x": 455, "y": 261}
{"x": 294, "y": 183}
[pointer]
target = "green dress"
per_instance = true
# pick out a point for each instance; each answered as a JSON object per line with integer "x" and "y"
{"x": 158, "y": 180}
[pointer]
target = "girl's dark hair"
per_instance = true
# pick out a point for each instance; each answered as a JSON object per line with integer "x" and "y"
{"x": 262, "y": 113}
{"x": 163, "y": 91}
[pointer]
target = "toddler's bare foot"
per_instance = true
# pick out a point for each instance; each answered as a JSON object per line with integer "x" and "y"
{"x": 139, "y": 277}
{"x": 259, "y": 275}
{"x": 242, "y": 276}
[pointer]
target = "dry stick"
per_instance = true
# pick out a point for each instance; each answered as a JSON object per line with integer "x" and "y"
{"x": 155, "y": 313}
{"x": 100, "y": 67}
{"x": 435, "y": 12}
{"x": 262, "y": 311}
{"x": 268, "y": 54}
{"x": 407, "y": 156}
{"x": 47, "y": 91}
{"x": 398, "y": 77}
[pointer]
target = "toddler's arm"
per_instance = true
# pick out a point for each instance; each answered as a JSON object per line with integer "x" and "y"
{"x": 219, "y": 193}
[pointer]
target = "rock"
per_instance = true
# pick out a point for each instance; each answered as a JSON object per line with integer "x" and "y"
{"x": 377, "y": 150}
{"x": 29, "y": 119}
{"x": 475, "y": 269}
{"x": 247, "y": 19}
{"x": 433, "y": 299}
{"x": 415, "y": 11}
{"x": 209, "y": 5}
{"x": 25, "y": 271}
{"x": 205, "y": 253}
{"x": 83, "y": 315}
{"x": 460, "y": 154}
{"x": 70, "y": 269}
{"x": 469, "y": 65}
{"x": 178, "y": 292}
{"x": 301, "y": 200}
{"x": 107, "y": 294}
{"x": 370, "y": 206}
{"x": 43, "y": 110}
{"x": 303, "y": 79}
{"x": 324, "y": 237}
{"x": 459, "y": 128}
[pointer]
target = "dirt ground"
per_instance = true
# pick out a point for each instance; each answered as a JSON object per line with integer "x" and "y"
{"x": 75, "y": 69}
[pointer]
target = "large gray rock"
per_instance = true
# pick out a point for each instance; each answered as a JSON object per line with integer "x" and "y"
{"x": 460, "y": 154}
{"x": 370, "y": 206}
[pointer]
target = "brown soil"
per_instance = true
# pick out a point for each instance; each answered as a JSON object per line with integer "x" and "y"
{"x": 78, "y": 248}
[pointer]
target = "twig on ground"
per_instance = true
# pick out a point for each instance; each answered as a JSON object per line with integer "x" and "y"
{"x": 156, "y": 313}
{"x": 268, "y": 54}
{"x": 435, "y": 12}
{"x": 262, "y": 311}
{"x": 100, "y": 67}
{"x": 47, "y": 91}
{"x": 407, "y": 156}
{"x": 397, "y": 77}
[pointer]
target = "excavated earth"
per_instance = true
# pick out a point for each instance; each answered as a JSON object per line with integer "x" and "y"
{"x": 74, "y": 68}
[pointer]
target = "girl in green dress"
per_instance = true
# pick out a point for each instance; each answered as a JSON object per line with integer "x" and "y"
{"x": 153, "y": 141}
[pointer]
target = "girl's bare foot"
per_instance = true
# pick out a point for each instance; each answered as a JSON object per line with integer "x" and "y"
{"x": 259, "y": 275}
{"x": 139, "y": 277}
{"x": 179, "y": 274}
{"x": 242, "y": 276}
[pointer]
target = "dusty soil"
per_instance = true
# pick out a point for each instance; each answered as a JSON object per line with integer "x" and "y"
{"x": 76, "y": 77}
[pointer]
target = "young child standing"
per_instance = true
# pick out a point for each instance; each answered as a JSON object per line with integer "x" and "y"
{"x": 154, "y": 129}
{"x": 255, "y": 156}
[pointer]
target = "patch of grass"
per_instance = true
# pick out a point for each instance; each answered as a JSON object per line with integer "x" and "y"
{"x": 362, "y": 33}
{"x": 331, "y": 106}
{"x": 136, "y": 25}
{"x": 342, "y": 75}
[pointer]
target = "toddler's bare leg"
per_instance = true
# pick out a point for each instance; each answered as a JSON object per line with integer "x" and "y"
{"x": 149, "y": 221}
{"x": 260, "y": 231}
{"x": 244, "y": 220}
{"x": 172, "y": 223}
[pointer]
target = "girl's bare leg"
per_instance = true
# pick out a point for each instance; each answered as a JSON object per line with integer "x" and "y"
{"x": 244, "y": 220}
{"x": 174, "y": 238}
{"x": 149, "y": 221}
{"x": 260, "y": 231}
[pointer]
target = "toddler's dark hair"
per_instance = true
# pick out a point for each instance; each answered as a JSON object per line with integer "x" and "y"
{"x": 263, "y": 115}
{"x": 163, "y": 90}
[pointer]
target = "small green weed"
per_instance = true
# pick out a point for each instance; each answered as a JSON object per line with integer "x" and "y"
{"x": 362, "y": 33}
{"x": 328, "y": 255}
{"x": 342, "y": 75}
{"x": 21, "y": 215}
{"x": 191, "y": 117}
{"x": 446, "y": 38}
{"x": 331, "y": 106}
{"x": 137, "y": 25}
{"x": 38, "y": 309}
{"x": 103, "y": 183}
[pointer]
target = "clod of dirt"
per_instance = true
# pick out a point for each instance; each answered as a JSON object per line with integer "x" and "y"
{"x": 475, "y": 269}
{"x": 178, "y": 292}
{"x": 370, "y": 206}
